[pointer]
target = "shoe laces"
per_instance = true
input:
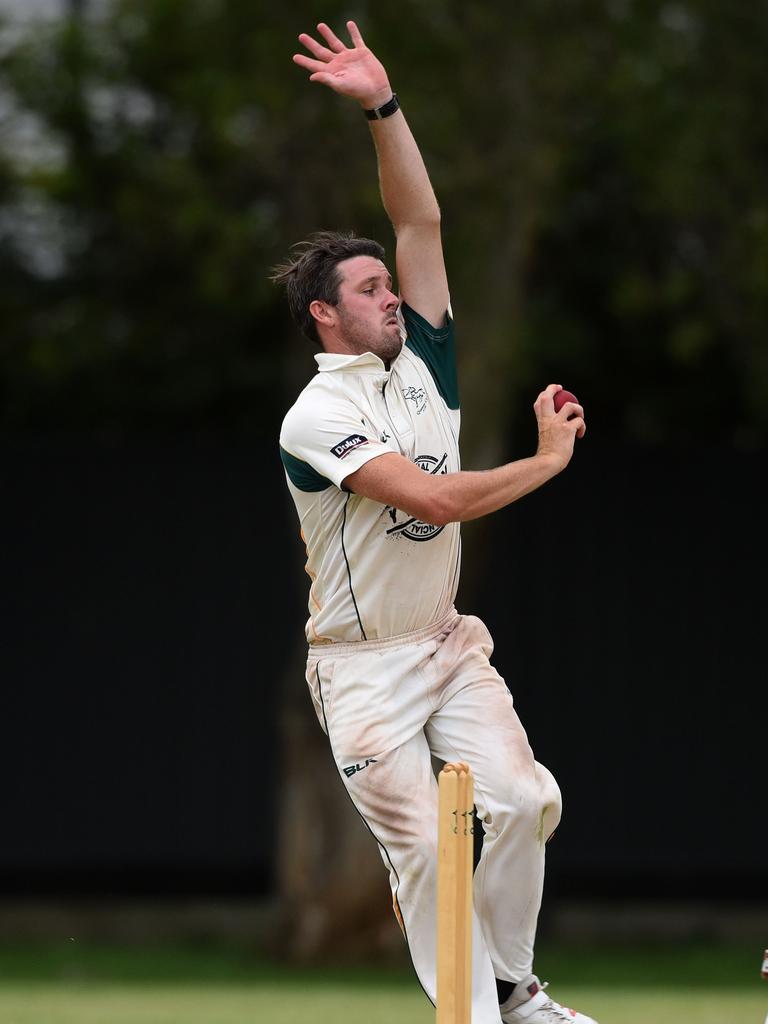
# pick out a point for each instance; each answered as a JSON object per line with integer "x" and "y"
{"x": 554, "y": 1011}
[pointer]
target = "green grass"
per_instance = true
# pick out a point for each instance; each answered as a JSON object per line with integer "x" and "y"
{"x": 71, "y": 984}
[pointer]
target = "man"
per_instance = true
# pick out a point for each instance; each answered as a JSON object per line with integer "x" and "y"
{"x": 371, "y": 455}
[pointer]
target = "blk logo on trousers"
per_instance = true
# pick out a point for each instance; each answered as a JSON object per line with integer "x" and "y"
{"x": 354, "y": 768}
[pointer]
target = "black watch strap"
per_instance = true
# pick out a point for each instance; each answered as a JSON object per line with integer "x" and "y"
{"x": 377, "y": 113}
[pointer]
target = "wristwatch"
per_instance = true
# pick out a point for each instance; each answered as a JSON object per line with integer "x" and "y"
{"x": 377, "y": 113}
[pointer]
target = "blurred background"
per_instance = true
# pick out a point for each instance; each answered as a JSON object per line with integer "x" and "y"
{"x": 601, "y": 168}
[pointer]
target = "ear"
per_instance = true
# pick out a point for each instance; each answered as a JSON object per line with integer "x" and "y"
{"x": 324, "y": 314}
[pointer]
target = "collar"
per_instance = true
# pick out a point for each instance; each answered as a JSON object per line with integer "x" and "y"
{"x": 366, "y": 362}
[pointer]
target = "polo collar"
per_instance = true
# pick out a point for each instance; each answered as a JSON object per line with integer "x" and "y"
{"x": 366, "y": 362}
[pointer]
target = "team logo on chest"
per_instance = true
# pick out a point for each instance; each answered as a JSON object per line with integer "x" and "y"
{"x": 409, "y": 526}
{"x": 418, "y": 396}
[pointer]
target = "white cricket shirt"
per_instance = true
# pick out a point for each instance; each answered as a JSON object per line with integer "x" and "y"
{"x": 376, "y": 572}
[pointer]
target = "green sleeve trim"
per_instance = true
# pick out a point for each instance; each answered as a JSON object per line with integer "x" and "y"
{"x": 302, "y": 475}
{"x": 436, "y": 346}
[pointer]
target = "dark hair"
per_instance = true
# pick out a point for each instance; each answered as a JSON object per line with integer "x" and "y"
{"x": 311, "y": 272}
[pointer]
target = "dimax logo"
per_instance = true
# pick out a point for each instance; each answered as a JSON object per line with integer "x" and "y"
{"x": 344, "y": 447}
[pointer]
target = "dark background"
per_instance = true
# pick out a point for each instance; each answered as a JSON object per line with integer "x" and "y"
{"x": 151, "y": 593}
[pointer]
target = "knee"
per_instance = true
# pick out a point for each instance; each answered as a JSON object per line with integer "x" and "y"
{"x": 551, "y": 801}
{"x": 416, "y": 847}
{"x": 533, "y": 804}
{"x": 413, "y": 870}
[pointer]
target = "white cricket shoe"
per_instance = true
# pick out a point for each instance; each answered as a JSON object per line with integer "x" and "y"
{"x": 529, "y": 1004}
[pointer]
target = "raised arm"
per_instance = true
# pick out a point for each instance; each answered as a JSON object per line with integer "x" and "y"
{"x": 405, "y": 187}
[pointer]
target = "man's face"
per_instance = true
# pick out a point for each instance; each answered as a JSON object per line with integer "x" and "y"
{"x": 366, "y": 309}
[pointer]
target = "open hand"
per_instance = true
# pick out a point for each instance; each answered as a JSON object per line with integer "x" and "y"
{"x": 352, "y": 71}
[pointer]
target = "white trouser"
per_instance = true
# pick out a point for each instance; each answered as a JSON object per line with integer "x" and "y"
{"x": 386, "y": 707}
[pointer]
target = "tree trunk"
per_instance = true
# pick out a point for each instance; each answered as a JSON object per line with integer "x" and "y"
{"x": 334, "y": 893}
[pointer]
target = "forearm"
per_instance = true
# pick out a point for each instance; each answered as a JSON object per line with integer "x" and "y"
{"x": 356, "y": 72}
{"x": 392, "y": 479}
{"x": 405, "y": 187}
{"x": 467, "y": 495}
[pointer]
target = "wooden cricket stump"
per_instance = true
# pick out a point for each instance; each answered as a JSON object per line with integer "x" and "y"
{"x": 454, "y": 895}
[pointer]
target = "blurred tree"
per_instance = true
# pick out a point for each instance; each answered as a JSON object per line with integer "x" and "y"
{"x": 649, "y": 270}
{"x": 603, "y": 195}
{"x": 155, "y": 169}
{"x": 600, "y": 165}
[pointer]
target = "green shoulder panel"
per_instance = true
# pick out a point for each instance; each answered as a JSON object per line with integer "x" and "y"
{"x": 436, "y": 346}
{"x": 301, "y": 474}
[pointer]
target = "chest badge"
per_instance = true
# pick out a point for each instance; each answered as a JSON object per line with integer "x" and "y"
{"x": 418, "y": 396}
{"x": 410, "y": 527}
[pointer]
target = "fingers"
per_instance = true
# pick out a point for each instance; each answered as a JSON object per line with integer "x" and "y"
{"x": 331, "y": 38}
{"x": 324, "y": 78}
{"x": 545, "y": 402}
{"x": 573, "y": 414}
{"x": 307, "y": 62}
{"x": 354, "y": 34}
{"x": 569, "y": 409}
{"x": 325, "y": 54}
{"x": 574, "y": 418}
{"x": 316, "y": 49}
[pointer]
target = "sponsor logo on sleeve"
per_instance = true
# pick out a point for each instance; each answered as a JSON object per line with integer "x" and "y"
{"x": 343, "y": 448}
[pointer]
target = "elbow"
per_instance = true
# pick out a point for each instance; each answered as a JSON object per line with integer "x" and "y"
{"x": 428, "y": 217}
{"x": 441, "y": 510}
{"x": 435, "y": 501}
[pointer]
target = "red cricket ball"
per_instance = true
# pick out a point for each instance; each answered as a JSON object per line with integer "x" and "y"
{"x": 562, "y": 397}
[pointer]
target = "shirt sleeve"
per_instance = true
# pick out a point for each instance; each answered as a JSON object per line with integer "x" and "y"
{"x": 436, "y": 346}
{"x": 320, "y": 448}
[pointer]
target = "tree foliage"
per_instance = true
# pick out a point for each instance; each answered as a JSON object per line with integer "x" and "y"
{"x": 166, "y": 178}
{"x": 600, "y": 166}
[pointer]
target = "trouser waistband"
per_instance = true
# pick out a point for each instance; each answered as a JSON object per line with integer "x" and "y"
{"x": 401, "y": 640}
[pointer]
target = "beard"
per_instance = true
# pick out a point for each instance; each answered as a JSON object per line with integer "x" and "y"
{"x": 360, "y": 337}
